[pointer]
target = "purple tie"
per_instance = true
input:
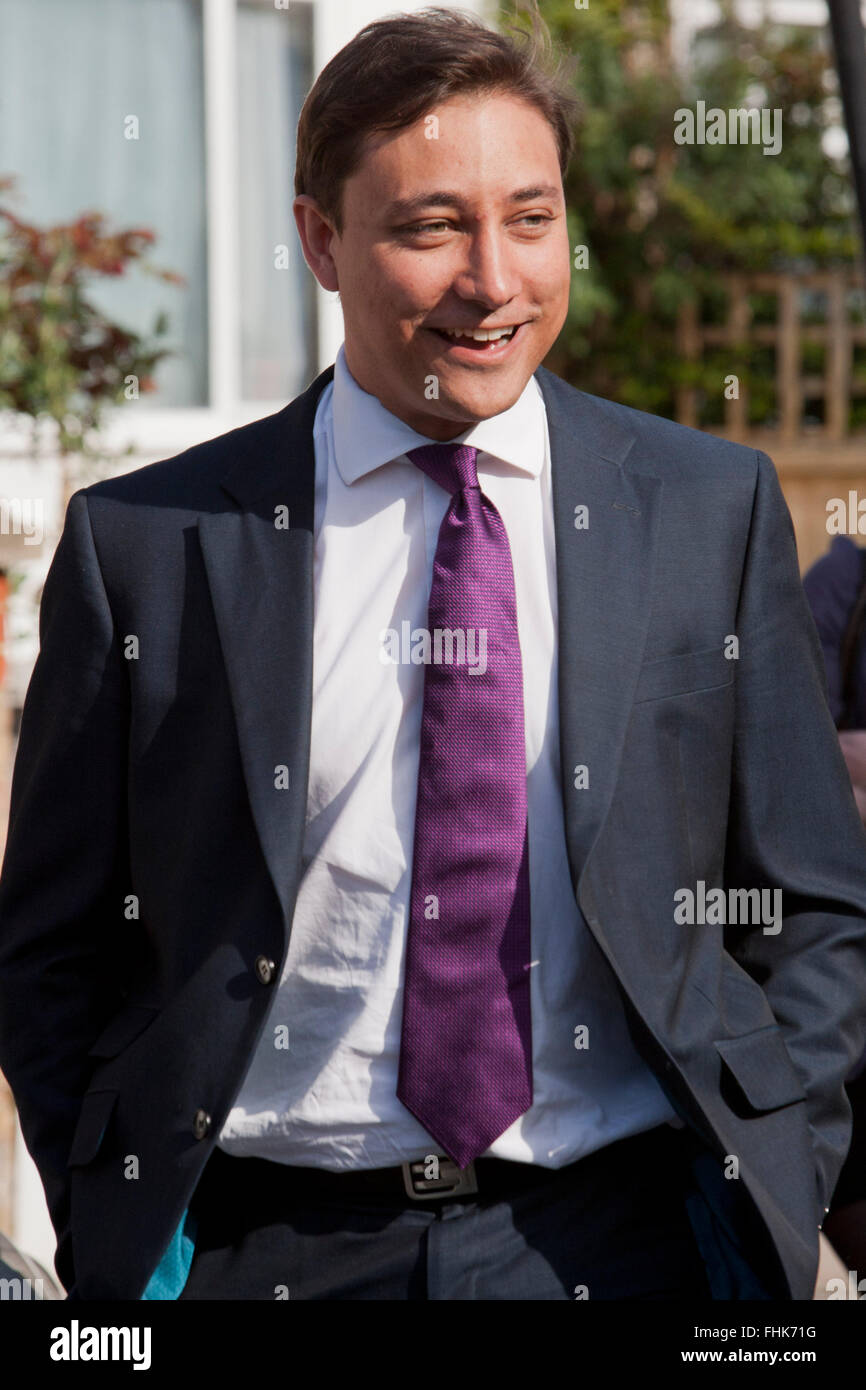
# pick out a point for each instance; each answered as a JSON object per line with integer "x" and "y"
{"x": 466, "y": 1046}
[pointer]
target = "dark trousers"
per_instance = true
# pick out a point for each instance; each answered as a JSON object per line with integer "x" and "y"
{"x": 613, "y": 1225}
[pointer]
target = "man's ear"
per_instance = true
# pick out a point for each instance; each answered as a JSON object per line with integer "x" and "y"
{"x": 316, "y": 234}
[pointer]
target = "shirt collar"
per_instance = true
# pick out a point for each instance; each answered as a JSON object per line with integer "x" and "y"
{"x": 516, "y": 436}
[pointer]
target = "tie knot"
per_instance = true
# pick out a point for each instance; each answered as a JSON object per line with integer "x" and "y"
{"x": 452, "y": 466}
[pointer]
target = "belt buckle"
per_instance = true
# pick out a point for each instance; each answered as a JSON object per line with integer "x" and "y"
{"x": 444, "y": 1179}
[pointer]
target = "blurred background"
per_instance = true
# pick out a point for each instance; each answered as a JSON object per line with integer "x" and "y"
{"x": 153, "y": 293}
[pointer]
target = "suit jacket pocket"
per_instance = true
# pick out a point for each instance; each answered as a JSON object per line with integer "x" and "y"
{"x": 684, "y": 674}
{"x": 96, "y": 1109}
{"x": 757, "y": 1071}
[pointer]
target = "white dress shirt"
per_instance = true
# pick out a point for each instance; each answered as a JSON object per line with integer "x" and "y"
{"x": 327, "y": 1100}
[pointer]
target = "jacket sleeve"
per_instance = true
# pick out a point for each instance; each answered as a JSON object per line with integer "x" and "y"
{"x": 63, "y": 947}
{"x": 794, "y": 826}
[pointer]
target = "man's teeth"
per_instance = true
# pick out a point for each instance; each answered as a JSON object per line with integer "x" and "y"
{"x": 481, "y": 335}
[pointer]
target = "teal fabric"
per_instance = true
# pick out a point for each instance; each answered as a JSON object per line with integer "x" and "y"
{"x": 172, "y": 1272}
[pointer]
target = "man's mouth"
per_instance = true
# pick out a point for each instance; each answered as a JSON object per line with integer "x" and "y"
{"x": 481, "y": 341}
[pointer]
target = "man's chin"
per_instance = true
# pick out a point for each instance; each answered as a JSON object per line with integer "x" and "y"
{"x": 486, "y": 399}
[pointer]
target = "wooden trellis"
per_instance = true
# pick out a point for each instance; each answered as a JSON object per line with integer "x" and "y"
{"x": 815, "y": 461}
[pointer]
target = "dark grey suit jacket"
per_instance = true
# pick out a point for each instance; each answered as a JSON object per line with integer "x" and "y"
{"x": 153, "y": 857}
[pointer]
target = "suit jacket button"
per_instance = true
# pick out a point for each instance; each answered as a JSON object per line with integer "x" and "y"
{"x": 201, "y": 1124}
{"x": 265, "y": 969}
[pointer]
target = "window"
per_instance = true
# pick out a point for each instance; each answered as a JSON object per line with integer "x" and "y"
{"x": 179, "y": 116}
{"x": 277, "y": 291}
{"x": 71, "y": 77}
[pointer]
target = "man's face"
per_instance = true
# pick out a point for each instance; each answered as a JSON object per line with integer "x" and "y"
{"x": 463, "y": 231}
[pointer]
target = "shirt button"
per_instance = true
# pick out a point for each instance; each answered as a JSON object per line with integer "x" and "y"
{"x": 265, "y": 969}
{"x": 201, "y": 1124}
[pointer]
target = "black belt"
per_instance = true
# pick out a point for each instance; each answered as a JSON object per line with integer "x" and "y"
{"x": 432, "y": 1178}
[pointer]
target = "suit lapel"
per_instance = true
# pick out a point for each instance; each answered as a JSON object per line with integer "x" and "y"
{"x": 604, "y": 583}
{"x": 261, "y": 582}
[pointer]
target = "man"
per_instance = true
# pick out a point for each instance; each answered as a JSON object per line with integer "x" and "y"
{"x": 373, "y": 756}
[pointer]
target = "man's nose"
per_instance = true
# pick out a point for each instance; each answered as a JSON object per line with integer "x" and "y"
{"x": 489, "y": 274}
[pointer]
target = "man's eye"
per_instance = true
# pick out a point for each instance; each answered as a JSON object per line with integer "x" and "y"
{"x": 414, "y": 228}
{"x": 442, "y": 224}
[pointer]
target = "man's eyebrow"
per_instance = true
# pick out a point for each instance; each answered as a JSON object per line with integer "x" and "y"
{"x": 404, "y": 207}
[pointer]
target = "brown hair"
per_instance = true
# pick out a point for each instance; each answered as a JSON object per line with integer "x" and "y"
{"x": 394, "y": 70}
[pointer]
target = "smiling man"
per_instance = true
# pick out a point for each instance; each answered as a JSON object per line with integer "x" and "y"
{"x": 451, "y": 257}
{"x": 363, "y": 962}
